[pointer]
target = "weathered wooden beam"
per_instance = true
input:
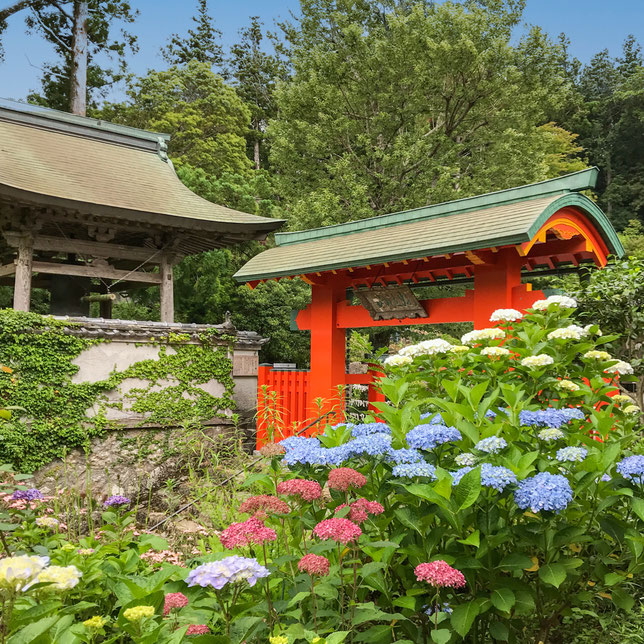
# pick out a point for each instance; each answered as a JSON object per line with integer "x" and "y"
{"x": 8, "y": 269}
{"x": 85, "y": 247}
{"x": 167, "y": 289}
{"x": 106, "y": 272}
{"x": 22, "y": 285}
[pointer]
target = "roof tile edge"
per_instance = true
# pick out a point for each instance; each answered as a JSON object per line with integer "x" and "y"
{"x": 574, "y": 182}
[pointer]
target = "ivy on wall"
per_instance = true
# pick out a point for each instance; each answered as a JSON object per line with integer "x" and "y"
{"x": 37, "y": 355}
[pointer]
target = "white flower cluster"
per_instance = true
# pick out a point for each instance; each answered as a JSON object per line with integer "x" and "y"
{"x": 597, "y": 355}
{"x": 17, "y": 572}
{"x": 482, "y": 334}
{"x": 568, "y": 385}
{"x": 398, "y": 360}
{"x": 632, "y": 409}
{"x": 572, "y": 332}
{"x": 588, "y": 327}
{"x": 561, "y": 301}
{"x": 620, "y": 367}
{"x": 621, "y": 398}
{"x": 459, "y": 348}
{"x": 540, "y": 360}
{"x": 426, "y": 348}
{"x": 48, "y": 522}
{"x": 495, "y": 351}
{"x": 506, "y": 315}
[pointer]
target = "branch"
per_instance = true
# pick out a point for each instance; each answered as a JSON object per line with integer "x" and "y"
{"x": 62, "y": 11}
{"x": 52, "y": 34}
{"x": 14, "y": 7}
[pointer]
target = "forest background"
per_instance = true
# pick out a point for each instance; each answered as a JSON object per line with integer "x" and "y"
{"x": 350, "y": 109}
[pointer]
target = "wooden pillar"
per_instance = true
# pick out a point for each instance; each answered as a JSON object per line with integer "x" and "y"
{"x": 494, "y": 284}
{"x": 167, "y": 289}
{"x": 22, "y": 285}
{"x": 328, "y": 347}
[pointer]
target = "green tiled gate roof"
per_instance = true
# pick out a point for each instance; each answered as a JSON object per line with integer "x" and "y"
{"x": 495, "y": 219}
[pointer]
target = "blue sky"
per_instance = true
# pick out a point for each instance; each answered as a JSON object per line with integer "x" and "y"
{"x": 591, "y": 25}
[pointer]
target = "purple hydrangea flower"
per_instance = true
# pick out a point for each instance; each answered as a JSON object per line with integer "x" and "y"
{"x": 543, "y": 491}
{"x": 430, "y": 436}
{"x": 116, "y": 500}
{"x": 550, "y": 417}
{"x": 632, "y": 468}
{"x": 27, "y": 495}
{"x": 226, "y": 571}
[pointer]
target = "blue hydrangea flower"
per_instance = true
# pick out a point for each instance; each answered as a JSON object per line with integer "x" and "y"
{"x": 368, "y": 429}
{"x": 543, "y": 491}
{"x": 550, "y": 434}
{"x": 429, "y": 436}
{"x": 373, "y": 445}
{"x": 605, "y": 478}
{"x": 410, "y": 470}
{"x": 405, "y": 456}
{"x": 440, "y": 608}
{"x": 433, "y": 418}
{"x": 490, "y": 415}
{"x": 347, "y": 425}
{"x": 550, "y": 417}
{"x": 298, "y": 449}
{"x": 497, "y": 476}
{"x": 459, "y": 474}
{"x": 228, "y": 570}
{"x": 293, "y": 442}
{"x": 572, "y": 454}
{"x": 466, "y": 459}
{"x": 492, "y": 444}
{"x": 27, "y": 495}
{"x": 632, "y": 468}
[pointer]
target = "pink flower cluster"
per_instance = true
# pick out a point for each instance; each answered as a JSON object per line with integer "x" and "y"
{"x": 440, "y": 574}
{"x": 197, "y": 629}
{"x": 245, "y": 533}
{"x": 271, "y": 449}
{"x": 314, "y": 565}
{"x": 264, "y": 503}
{"x": 174, "y": 600}
{"x": 306, "y": 490}
{"x": 341, "y": 530}
{"x": 342, "y": 478}
{"x": 360, "y": 509}
{"x": 163, "y": 556}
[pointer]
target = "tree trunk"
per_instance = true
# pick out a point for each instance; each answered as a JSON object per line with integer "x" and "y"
{"x": 257, "y": 163}
{"x": 78, "y": 80}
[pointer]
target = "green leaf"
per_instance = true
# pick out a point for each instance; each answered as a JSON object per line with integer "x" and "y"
{"x": 622, "y": 599}
{"x": 553, "y": 574}
{"x": 503, "y": 599}
{"x": 301, "y": 596}
{"x": 516, "y": 561}
{"x": 473, "y": 540}
{"x": 463, "y": 617}
{"x": 8, "y": 527}
{"x": 499, "y": 631}
{"x": 29, "y": 633}
{"x": 441, "y": 636}
{"x": 371, "y": 568}
{"x": 468, "y": 490}
{"x": 638, "y": 507}
{"x": 406, "y": 602}
{"x": 337, "y": 637}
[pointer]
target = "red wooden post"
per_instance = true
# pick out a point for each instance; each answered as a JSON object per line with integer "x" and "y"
{"x": 494, "y": 284}
{"x": 375, "y": 395}
{"x": 328, "y": 347}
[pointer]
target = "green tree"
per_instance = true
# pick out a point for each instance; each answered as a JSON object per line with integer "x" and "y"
{"x": 80, "y": 30}
{"x": 206, "y": 118}
{"x": 412, "y": 104}
{"x": 255, "y": 73}
{"x": 200, "y": 44}
{"x": 611, "y": 128}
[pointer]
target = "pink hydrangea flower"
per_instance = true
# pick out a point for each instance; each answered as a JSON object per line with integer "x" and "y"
{"x": 306, "y": 490}
{"x": 314, "y": 565}
{"x": 342, "y": 478}
{"x": 440, "y": 574}
{"x": 360, "y": 509}
{"x": 162, "y": 556}
{"x": 197, "y": 629}
{"x": 174, "y": 600}
{"x": 245, "y": 533}
{"x": 264, "y": 503}
{"x": 341, "y": 530}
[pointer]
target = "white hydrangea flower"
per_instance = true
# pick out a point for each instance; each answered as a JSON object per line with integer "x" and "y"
{"x": 47, "y": 522}
{"x": 397, "y": 361}
{"x": 482, "y": 334}
{"x": 621, "y": 367}
{"x": 561, "y": 301}
{"x": 621, "y": 398}
{"x": 550, "y": 434}
{"x": 632, "y": 409}
{"x": 17, "y": 572}
{"x": 597, "y": 355}
{"x": 411, "y": 350}
{"x": 588, "y": 327}
{"x": 495, "y": 351}
{"x": 568, "y": 385}
{"x": 437, "y": 345}
{"x": 506, "y": 315}
{"x": 540, "y": 360}
{"x": 572, "y": 332}
{"x": 60, "y": 577}
{"x": 459, "y": 348}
